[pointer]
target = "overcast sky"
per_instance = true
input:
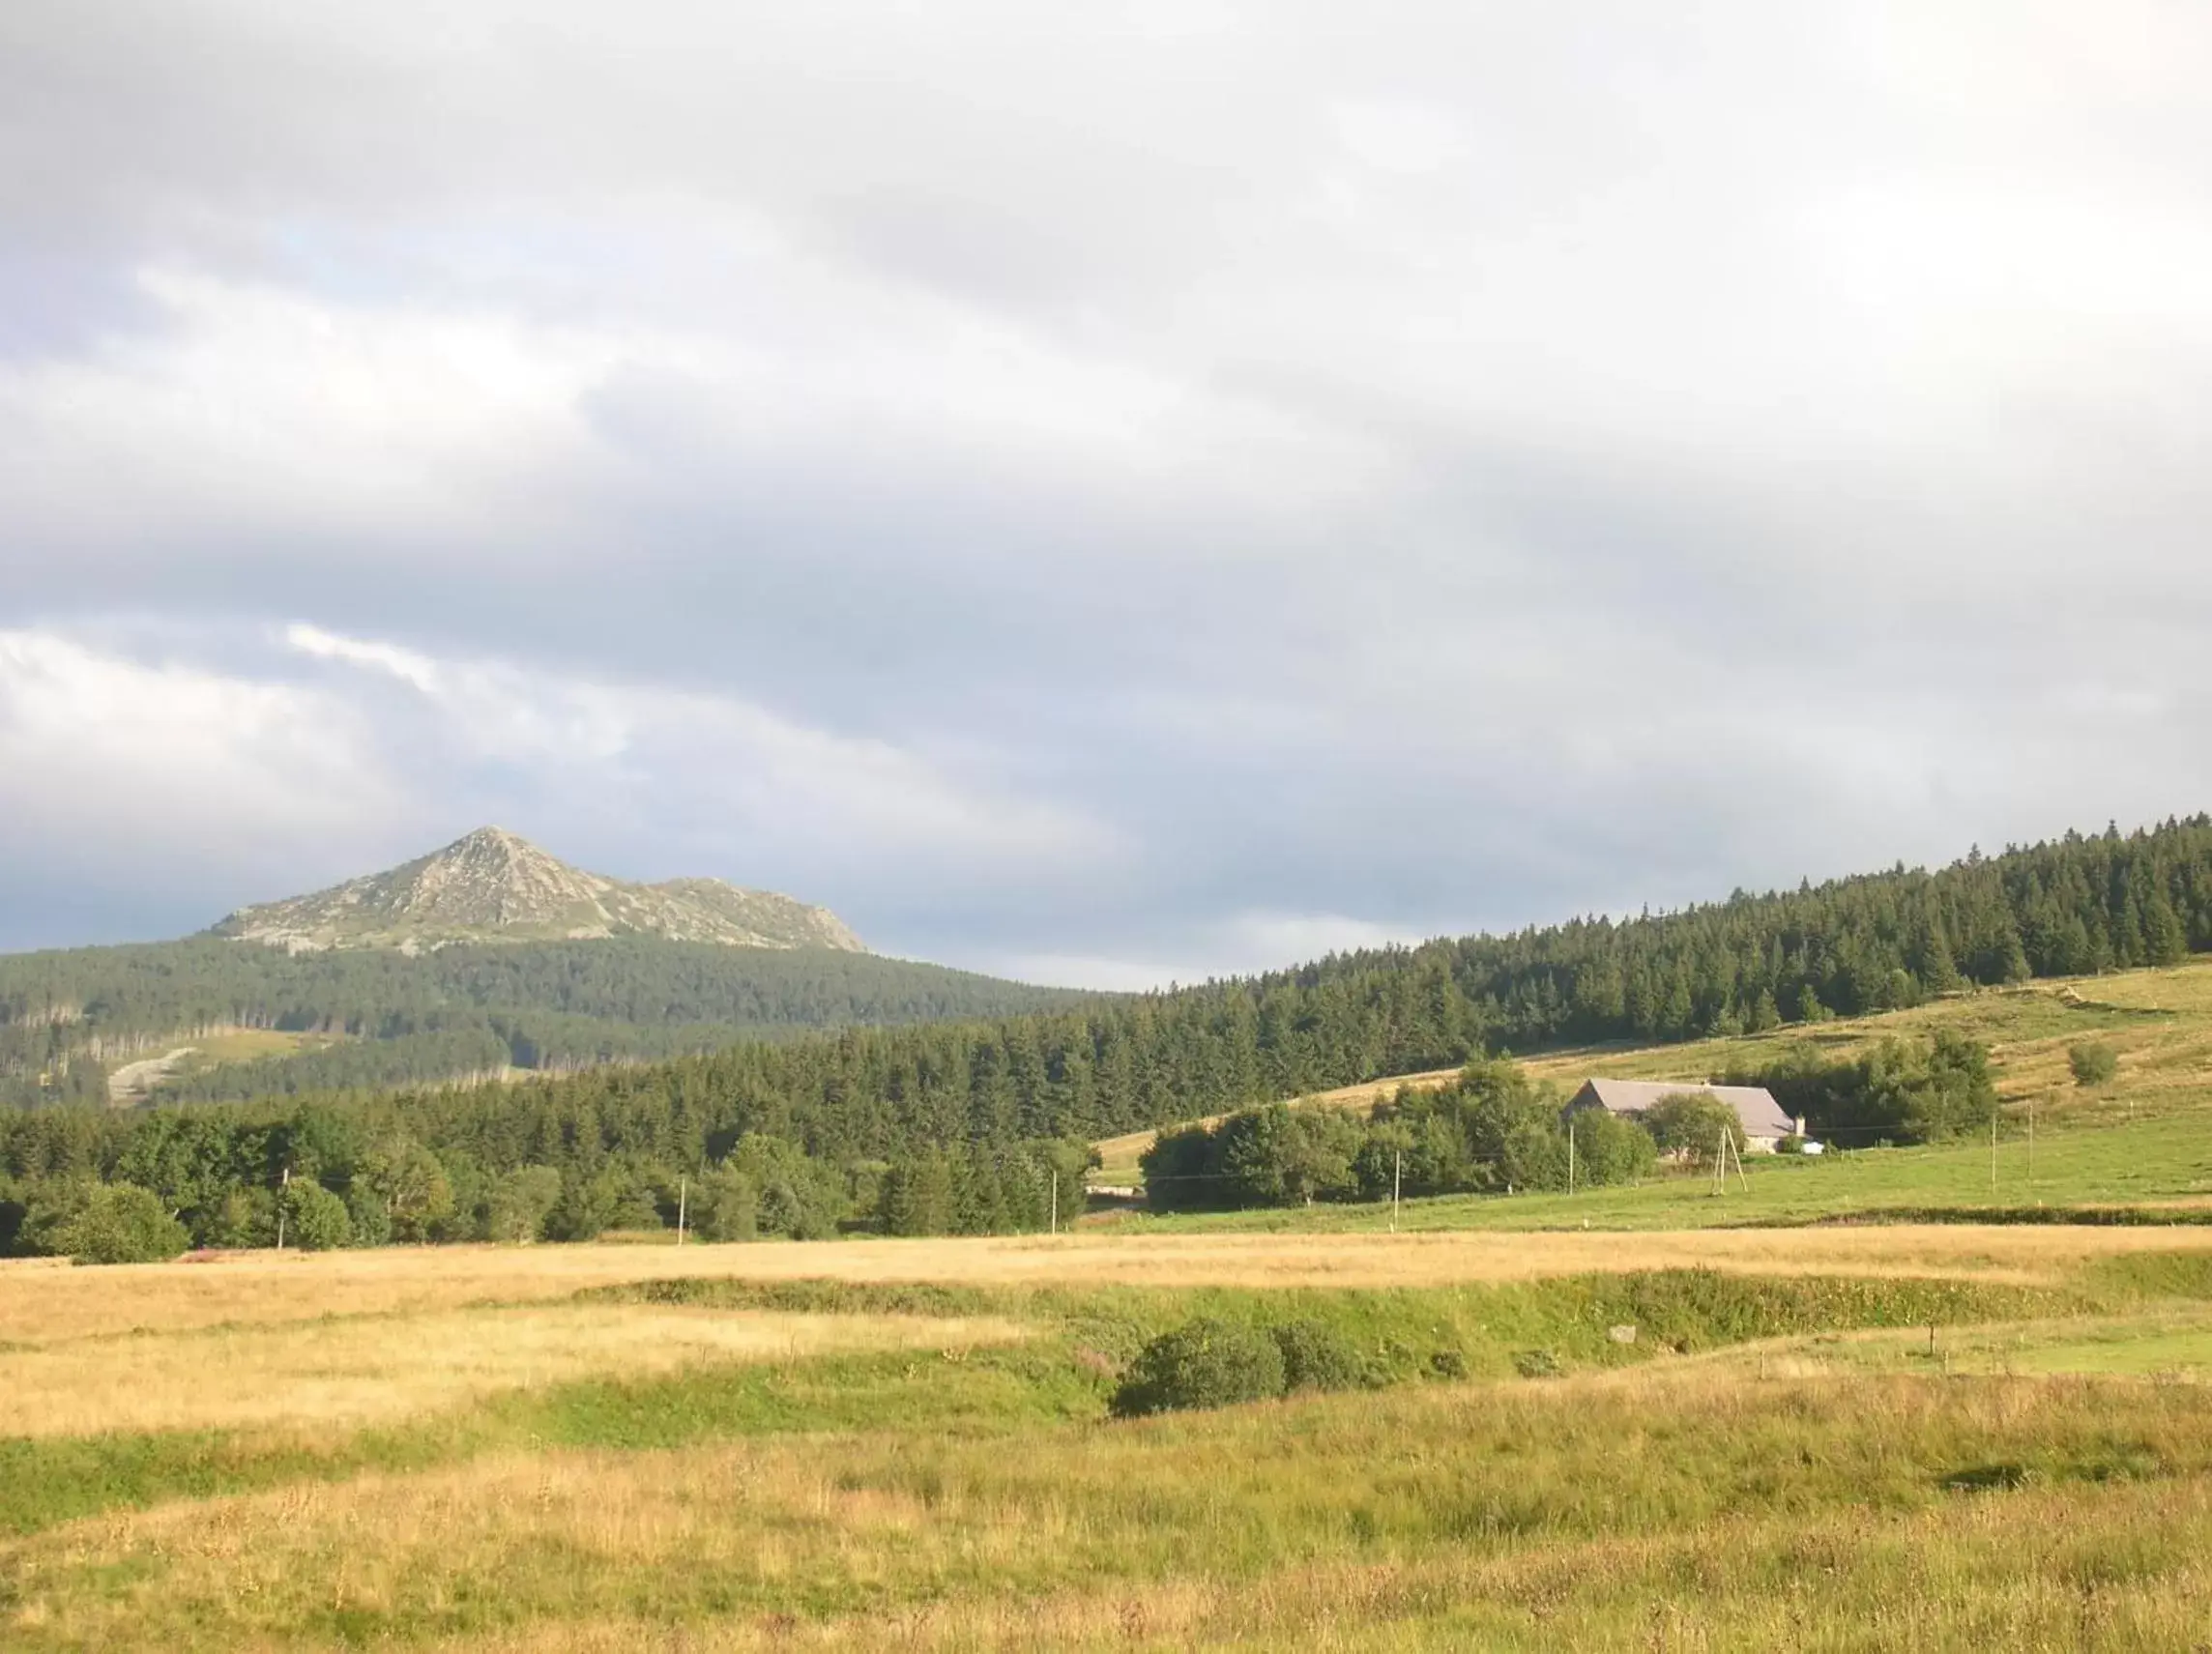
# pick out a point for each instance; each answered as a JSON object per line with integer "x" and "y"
{"x": 1101, "y": 492}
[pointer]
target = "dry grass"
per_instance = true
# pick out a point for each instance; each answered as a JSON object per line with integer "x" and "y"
{"x": 2009, "y": 1573}
{"x": 44, "y": 1302}
{"x": 1674, "y": 1508}
{"x": 349, "y": 1373}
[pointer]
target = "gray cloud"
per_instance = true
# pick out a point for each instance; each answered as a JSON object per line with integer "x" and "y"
{"x": 1120, "y": 494}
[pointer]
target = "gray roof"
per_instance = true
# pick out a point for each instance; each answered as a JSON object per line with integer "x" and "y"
{"x": 1755, "y": 1105}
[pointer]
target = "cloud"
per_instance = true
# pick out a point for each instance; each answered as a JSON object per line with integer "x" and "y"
{"x": 1060, "y": 487}
{"x": 137, "y": 792}
{"x": 719, "y": 766}
{"x": 141, "y": 766}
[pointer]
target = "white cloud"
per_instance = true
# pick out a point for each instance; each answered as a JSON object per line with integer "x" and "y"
{"x": 208, "y": 762}
{"x": 718, "y": 765}
{"x": 127, "y": 767}
{"x": 255, "y": 409}
{"x": 1079, "y": 479}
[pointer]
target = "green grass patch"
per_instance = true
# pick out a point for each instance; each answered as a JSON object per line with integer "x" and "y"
{"x": 1062, "y": 1375}
{"x": 2108, "y": 1166}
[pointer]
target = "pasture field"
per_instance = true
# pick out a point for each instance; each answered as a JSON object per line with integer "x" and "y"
{"x": 2159, "y": 1023}
{"x": 1943, "y": 1436}
{"x": 2144, "y": 1140}
{"x": 1860, "y": 1401}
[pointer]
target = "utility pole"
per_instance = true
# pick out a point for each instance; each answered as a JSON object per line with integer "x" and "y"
{"x": 1397, "y": 1180}
{"x": 2031, "y": 1145}
{"x": 1992, "y": 1150}
{"x": 1570, "y": 1154}
{"x": 683, "y": 1206}
{"x": 1052, "y": 1175}
{"x": 281, "y": 1204}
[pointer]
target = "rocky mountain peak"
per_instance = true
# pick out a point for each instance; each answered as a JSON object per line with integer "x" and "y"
{"x": 495, "y": 885}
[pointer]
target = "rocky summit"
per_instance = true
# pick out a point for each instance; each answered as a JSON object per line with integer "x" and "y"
{"x": 494, "y": 886}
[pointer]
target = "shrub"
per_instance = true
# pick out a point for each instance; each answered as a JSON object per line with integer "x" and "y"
{"x": 725, "y": 1206}
{"x": 1692, "y": 1124}
{"x": 315, "y": 1220}
{"x": 372, "y": 1223}
{"x": 1611, "y": 1149}
{"x": 519, "y": 1201}
{"x": 121, "y": 1223}
{"x": 1538, "y": 1364}
{"x": 2093, "y": 1064}
{"x": 1316, "y": 1356}
{"x": 1899, "y": 1090}
{"x": 1204, "y": 1363}
{"x": 243, "y": 1218}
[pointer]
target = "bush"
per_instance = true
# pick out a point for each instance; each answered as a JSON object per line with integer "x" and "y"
{"x": 1896, "y": 1091}
{"x": 2093, "y": 1064}
{"x": 315, "y": 1220}
{"x": 1692, "y": 1124}
{"x": 372, "y": 1223}
{"x": 244, "y": 1218}
{"x": 519, "y": 1201}
{"x": 725, "y": 1206}
{"x": 121, "y": 1223}
{"x": 1205, "y": 1363}
{"x": 1611, "y": 1149}
{"x": 1316, "y": 1356}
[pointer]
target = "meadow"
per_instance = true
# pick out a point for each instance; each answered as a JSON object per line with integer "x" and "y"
{"x": 1856, "y": 1402}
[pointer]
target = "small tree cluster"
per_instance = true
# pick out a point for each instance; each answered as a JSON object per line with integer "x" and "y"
{"x": 1895, "y": 1091}
{"x": 984, "y": 1190}
{"x": 1490, "y": 1130}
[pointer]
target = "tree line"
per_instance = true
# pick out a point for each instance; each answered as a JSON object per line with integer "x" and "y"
{"x": 1493, "y": 1130}
{"x": 855, "y": 1103}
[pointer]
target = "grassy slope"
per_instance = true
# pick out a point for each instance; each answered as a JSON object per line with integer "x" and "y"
{"x": 2148, "y": 1137}
{"x": 954, "y": 1497}
{"x": 1948, "y": 1438}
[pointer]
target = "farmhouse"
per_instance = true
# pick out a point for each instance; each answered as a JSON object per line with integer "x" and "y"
{"x": 1764, "y": 1125}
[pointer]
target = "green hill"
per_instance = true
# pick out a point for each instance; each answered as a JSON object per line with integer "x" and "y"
{"x": 72, "y": 1021}
{"x": 959, "y": 1111}
{"x": 483, "y": 958}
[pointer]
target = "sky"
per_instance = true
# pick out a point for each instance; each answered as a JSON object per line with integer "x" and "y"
{"x": 1103, "y": 494}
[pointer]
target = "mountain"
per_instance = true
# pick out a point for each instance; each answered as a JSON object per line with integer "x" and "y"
{"x": 486, "y": 957}
{"x": 492, "y": 886}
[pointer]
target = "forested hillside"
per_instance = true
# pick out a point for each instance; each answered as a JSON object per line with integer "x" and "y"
{"x": 68, "y": 1017}
{"x": 990, "y": 1092}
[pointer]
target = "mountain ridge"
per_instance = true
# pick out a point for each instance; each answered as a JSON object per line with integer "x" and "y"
{"x": 492, "y": 886}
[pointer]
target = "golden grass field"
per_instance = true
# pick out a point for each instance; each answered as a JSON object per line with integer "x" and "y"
{"x": 44, "y": 1302}
{"x": 358, "y": 1370}
{"x": 1687, "y": 1506}
{"x": 493, "y": 1449}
